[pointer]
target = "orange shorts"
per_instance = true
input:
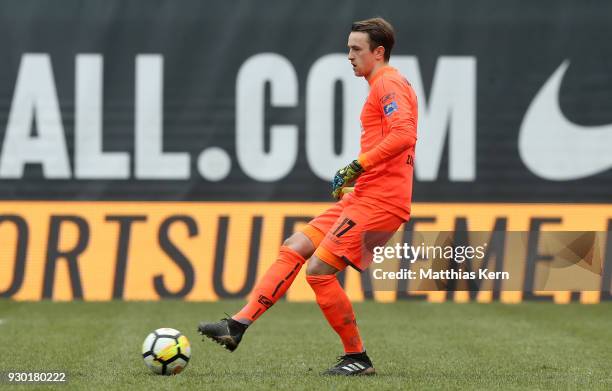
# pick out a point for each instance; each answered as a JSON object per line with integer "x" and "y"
{"x": 346, "y": 233}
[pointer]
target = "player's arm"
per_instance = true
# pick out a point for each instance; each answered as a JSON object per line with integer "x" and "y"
{"x": 400, "y": 113}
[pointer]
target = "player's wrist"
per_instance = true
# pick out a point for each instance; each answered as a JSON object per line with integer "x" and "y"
{"x": 356, "y": 166}
{"x": 363, "y": 162}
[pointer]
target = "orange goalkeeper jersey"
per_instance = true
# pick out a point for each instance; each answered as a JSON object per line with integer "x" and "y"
{"x": 388, "y": 137}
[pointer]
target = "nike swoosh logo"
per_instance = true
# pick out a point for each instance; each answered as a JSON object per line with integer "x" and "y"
{"x": 556, "y": 149}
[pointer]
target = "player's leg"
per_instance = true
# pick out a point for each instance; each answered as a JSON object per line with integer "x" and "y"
{"x": 337, "y": 308}
{"x": 280, "y": 275}
{"x": 272, "y": 286}
{"x": 359, "y": 228}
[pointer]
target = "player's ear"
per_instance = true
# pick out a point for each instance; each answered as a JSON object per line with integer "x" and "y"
{"x": 379, "y": 52}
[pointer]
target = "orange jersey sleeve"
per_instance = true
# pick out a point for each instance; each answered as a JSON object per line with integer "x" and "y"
{"x": 398, "y": 106}
{"x": 388, "y": 138}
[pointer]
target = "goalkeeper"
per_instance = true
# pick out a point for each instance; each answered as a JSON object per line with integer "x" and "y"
{"x": 382, "y": 175}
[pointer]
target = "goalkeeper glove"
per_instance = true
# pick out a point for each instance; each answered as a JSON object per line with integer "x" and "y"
{"x": 344, "y": 177}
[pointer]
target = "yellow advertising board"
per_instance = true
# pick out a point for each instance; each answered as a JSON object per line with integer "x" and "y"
{"x": 204, "y": 251}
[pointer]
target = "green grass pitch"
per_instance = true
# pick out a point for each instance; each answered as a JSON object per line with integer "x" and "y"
{"x": 413, "y": 345}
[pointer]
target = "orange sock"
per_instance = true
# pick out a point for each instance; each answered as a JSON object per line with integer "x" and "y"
{"x": 338, "y": 310}
{"x": 272, "y": 285}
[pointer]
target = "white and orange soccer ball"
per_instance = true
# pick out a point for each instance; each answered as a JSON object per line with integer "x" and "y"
{"x": 166, "y": 351}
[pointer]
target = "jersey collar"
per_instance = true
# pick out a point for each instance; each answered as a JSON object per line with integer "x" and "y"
{"x": 381, "y": 71}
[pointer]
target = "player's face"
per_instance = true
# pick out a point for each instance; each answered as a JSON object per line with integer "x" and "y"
{"x": 361, "y": 57}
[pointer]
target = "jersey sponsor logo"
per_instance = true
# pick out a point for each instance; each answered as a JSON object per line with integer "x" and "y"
{"x": 390, "y": 108}
{"x": 547, "y": 138}
{"x": 388, "y": 97}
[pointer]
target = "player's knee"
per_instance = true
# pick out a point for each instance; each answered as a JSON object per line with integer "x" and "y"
{"x": 301, "y": 244}
{"x": 316, "y": 267}
{"x": 313, "y": 269}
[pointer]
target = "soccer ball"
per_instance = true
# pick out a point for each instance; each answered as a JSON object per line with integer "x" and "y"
{"x": 166, "y": 351}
